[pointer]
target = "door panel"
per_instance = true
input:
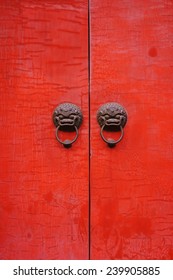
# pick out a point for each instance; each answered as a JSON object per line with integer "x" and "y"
{"x": 131, "y": 184}
{"x": 44, "y": 187}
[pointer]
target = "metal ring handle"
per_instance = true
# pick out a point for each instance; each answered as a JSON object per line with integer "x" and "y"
{"x": 111, "y": 143}
{"x": 112, "y": 115}
{"x": 66, "y": 143}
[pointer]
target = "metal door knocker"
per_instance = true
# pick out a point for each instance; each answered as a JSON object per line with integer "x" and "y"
{"x": 112, "y": 117}
{"x": 67, "y": 117}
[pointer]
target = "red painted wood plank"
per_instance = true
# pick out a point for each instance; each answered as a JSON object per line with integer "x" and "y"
{"x": 131, "y": 185}
{"x": 43, "y": 187}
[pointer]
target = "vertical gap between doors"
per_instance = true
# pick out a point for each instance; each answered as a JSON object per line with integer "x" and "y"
{"x": 89, "y": 147}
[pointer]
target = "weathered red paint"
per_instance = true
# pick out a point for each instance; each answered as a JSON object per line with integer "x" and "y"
{"x": 132, "y": 184}
{"x": 44, "y": 200}
{"x": 44, "y": 187}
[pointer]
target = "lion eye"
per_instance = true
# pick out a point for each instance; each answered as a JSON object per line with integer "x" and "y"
{"x": 60, "y": 117}
{"x": 72, "y": 116}
{"x": 119, "y": 116}
{"x": 106, "y": 116}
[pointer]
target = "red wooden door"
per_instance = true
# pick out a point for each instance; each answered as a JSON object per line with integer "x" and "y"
{"x": 44, "y": 187}
{"x": 88, "y": 201}
{"x": 132, "y": 184}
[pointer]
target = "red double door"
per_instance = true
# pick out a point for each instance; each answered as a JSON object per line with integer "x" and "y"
{"x": 88, "y": 201}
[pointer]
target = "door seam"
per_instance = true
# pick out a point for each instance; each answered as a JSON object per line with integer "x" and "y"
{"x": 89, "y": 138}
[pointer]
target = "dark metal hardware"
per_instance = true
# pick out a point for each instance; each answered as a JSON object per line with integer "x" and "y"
{"x": 112, "y": 117}
{"x": 67, "y": 117}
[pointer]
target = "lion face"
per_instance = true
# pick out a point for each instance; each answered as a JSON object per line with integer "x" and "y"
{"x": 67, "y": 114}
{"x": 112, "y": 114}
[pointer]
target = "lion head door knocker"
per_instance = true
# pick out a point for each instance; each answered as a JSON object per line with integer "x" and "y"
{"x": 112, "y": 117}
{"x": 67, "y": 117}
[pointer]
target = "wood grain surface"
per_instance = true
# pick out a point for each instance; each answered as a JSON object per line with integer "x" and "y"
{"x": 132, "y": 184}
{"x": 43, "y": 187}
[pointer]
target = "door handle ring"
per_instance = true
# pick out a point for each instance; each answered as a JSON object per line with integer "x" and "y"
{"x": 67, "y": 117}
{"x": 112, "y": 117}
{"x": 66, "y": 143}
{"x": 111, "y": 142}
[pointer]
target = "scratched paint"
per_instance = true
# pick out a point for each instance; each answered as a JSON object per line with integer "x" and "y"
{"x": 44, "y": 188}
